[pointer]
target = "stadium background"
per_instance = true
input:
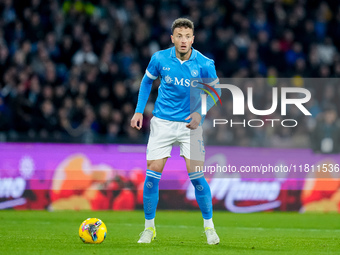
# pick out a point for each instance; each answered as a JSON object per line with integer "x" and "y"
{"x": 69, "y": 78}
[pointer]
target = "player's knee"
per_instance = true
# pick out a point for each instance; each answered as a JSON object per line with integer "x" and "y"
{"x": 193, "y": 166}
{"x": 155, "y": 165}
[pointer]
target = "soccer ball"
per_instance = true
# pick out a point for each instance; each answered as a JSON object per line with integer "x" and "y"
{"x": 92, "y": 230}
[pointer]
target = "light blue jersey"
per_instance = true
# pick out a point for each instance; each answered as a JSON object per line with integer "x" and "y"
{"x": 173, "y": 101}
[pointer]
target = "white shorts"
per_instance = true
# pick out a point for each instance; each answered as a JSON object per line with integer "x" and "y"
{"x": 163, "y": 135}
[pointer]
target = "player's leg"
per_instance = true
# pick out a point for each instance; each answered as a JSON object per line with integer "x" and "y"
{"x": 158, "y": 150}
{"x": 202, "y": 190}
{"x": 192, "y": 149}
{"x": 203, "y": 198}
{"x": 151, "y": 197}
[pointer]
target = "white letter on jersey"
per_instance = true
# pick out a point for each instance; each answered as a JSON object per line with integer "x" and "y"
{"x": 179, "y": 82}
{"x": 192, "y": 83}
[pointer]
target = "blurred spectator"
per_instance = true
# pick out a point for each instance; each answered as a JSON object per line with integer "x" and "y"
{"x": 326, "y": 135}
{"x": 85, "y": 55}
{"x": 4, "y": 116}
{"x": 8, "y": 11}
{"x": 326, "y": 51}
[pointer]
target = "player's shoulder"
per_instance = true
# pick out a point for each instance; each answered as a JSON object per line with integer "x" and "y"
{"x": 204, "y": 60}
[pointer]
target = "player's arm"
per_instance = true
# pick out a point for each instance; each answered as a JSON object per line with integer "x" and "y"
{"x": 195, "y": 120}
{"x": 210, "y": 100}
{"x": 195, "y": 116}
{"x": 212, "y": 81}
{"x": 144, "y": 92}
{"x": 150, "y": 75}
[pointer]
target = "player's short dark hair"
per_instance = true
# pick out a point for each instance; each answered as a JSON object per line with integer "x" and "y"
{"x": 182, "y": 22}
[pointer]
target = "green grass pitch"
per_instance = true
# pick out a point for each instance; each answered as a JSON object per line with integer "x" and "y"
{"x": 178, "y": 232}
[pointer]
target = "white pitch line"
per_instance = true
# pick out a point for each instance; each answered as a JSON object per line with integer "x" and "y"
{"x": 241, "y": 228}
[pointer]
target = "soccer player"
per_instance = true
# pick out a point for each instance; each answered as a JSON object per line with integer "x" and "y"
{"x": 173, "y": 122}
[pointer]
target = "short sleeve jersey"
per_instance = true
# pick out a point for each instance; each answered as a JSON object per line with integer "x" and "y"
{"x": 173, "y": 101}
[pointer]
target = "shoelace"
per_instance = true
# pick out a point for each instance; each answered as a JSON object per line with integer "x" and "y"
{"x": 210, "y": 231}
{"x": 144, "y": 231}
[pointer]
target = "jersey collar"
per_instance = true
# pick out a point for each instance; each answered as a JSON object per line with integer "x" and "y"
{"x": 192, "y": 57}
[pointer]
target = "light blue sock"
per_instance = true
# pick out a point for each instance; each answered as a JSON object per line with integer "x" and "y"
{"x": 202, "y": 193}
{"x": 151, "y": 194}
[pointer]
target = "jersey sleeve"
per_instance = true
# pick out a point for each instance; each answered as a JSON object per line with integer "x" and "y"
{"x": 212, "y": 81}
{"x": 152, "y": 71}
{"x": 144, "y": 93}
{"x": 210, "y": 73}
{"x": 210, "y": 78}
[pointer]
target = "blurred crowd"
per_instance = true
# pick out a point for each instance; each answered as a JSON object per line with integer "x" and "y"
{"x": 315, "y": 124}
{"x": 71, "y": 70}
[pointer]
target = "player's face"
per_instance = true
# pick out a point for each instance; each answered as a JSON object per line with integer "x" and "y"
{"x": 183, "y": 38}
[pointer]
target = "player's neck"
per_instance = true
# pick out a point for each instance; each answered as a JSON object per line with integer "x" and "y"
{"x": 185, "y": 56}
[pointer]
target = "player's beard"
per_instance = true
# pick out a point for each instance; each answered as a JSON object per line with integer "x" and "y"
{"x": 183, "y": 52}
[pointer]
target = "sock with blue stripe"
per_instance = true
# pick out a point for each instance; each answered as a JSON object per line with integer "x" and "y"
{"x": 203, "y": 195}
{"x": 151, "y": 196}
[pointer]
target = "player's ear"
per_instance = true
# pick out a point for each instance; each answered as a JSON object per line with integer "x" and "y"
{"x": 193, "y": 37}
{"x": 172, "y": 38}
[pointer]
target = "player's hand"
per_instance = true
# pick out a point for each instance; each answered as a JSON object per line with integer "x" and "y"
{"x": 195, "y": 120}
{"x": 137, "y": 120}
